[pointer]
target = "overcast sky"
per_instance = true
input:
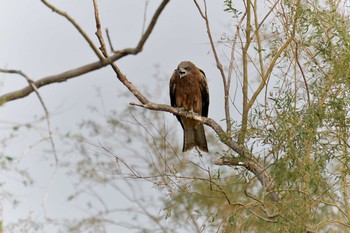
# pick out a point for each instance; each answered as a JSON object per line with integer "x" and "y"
{"x": 41, "y": 43}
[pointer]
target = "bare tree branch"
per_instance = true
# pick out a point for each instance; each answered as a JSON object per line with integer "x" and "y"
{"x": 59, "y": 78}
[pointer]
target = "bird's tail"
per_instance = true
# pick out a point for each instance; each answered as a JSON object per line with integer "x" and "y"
{"x": 195, "y": 137}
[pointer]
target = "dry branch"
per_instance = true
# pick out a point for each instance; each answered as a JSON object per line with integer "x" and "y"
{"x": 60, "y": 78}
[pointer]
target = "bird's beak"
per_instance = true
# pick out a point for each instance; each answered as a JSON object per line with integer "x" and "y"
{"x": 182, "y": 72}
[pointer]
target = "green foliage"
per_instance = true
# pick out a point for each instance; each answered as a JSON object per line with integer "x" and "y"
{"x": 304, "y": 123}
{"x": 228, "y": 7}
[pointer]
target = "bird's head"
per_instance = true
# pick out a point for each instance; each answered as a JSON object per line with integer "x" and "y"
{"x": 185, "y": 68}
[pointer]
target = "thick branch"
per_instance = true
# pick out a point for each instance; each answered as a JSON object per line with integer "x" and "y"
{"x": 61, "y": 77}
{"x": 251, "y": 165}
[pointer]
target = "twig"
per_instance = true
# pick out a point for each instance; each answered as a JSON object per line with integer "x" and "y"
{"x": 116, "y": 69}
{"x": 302, "y": 73}
{"x": 232, "y": 58}
{"x": 144, "y": 17}
{"x": 109, "y": 40}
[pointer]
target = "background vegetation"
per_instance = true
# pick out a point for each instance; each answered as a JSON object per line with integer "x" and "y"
{"x": 282, "y": 165}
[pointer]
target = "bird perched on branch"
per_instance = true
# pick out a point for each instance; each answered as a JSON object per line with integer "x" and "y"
{"x": 189, "y": 90}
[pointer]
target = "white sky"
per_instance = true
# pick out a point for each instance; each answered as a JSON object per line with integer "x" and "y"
{"x": 40, "y": 43}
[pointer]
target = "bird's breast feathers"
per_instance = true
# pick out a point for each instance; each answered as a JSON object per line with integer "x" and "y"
{"x": 188, "y": 94}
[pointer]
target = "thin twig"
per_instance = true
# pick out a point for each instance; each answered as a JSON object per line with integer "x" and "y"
{"x": 144, "y": 17}
{"x": 109, "y": 40}
{"x": 232, "y": 58}
{"x": 302, "y": 73}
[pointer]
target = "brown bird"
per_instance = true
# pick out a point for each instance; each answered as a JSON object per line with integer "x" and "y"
{"x": 189, "y": 90}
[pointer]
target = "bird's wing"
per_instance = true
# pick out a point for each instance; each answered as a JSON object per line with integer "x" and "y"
{"x": 205, "y": 93}
{"x": 172, "y": 87}
{"x": 172, "y": 93}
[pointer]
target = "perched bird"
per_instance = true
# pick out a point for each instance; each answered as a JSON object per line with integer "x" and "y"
{"x": 189, "y": 90}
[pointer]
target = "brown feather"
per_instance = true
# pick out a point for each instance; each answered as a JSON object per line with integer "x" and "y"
{"x": 189, "y": 139}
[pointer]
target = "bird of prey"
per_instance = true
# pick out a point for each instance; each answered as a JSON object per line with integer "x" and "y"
{"x": 189, "y": 90}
